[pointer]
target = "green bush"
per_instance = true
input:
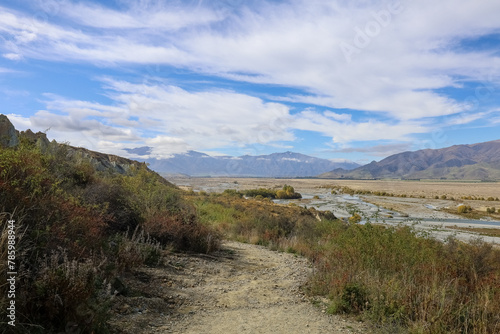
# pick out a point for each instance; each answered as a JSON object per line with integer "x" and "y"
{"x": 288, "y": 192}
{"x": 261, "y": 191}
{"x": 232, "y": 192}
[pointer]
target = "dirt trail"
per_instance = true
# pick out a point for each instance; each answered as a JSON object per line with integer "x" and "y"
{"x": 242, "y": 289}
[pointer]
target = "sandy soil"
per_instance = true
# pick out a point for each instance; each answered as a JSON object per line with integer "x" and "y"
{"x": 241, "y": 289}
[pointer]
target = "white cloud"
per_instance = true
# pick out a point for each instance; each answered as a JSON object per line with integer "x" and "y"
{"x": 12, "y": 56}
{"x": 341, "y": 160}
{"x": 170, "y": 119}
{"x": 403, "y": 58}
{"x": 344, "y": 132}
{"x": 165, "y": 146}
{"x": 338, "y": 117}
{"x": 140, "y": 15}
{"x": 466, "y": 118}
{"x": 173, "y": 120}
{"x": 382, "y": 150}
{"x": 398, "y": 73}
{"x": 21, "y": 123}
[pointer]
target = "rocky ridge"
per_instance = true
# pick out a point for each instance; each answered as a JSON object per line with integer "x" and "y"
{"x": 10, "y": 137}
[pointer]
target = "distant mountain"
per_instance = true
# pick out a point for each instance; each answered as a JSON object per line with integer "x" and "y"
{"x": 460, "y": 162}
{"x": 286, "y": 164}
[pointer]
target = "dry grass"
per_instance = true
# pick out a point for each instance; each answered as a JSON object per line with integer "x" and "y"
{"x": 490, "y": 232}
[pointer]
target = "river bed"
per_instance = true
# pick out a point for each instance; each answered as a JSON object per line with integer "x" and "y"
{"x": 423, "y": 213}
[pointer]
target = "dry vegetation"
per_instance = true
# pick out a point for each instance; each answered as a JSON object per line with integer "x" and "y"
{"x": 492, "y": 232}
{"x": 399, "y": 279}
{"x": 78, "y": 229}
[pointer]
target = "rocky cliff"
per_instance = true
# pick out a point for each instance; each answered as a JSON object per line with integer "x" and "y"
{"x": 8, "y": 134}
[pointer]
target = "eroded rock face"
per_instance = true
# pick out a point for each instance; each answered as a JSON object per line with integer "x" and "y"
{"x": 8, "y": 134}
{"x": 39, "y": 138}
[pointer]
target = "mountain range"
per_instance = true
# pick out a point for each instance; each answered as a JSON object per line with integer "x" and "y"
{"x": 287, "y": 164}
{"x": 459, "y": 162}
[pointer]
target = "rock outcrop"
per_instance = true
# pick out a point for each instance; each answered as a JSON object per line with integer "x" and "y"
{"x": 8, "y": 134}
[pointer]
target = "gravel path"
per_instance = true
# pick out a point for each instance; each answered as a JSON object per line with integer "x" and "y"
{"x": 257, "y": 291}
{"x": 242, "y": 289}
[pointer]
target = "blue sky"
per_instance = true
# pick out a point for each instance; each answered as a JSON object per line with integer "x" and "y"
{"x": 356, "y": 80}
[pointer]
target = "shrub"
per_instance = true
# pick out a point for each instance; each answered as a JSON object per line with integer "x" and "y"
{"x": 355, "y": 218}
{"x": 397, "y": 278}
{"x": 232, "y": 192}
{"x": 288, "y": 192}
{"x": 262, "y": 192}
{"x": 464, "y": 208}
{"x": 353, "y": 300}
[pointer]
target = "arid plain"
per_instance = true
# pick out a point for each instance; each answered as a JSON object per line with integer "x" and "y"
{"x": 415, "y": 188}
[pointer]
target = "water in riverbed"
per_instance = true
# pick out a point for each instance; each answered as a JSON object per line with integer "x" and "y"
{"x": 344, "y": 206}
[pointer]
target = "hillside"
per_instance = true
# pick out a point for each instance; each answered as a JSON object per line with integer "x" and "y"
{"x": 459, "y": 162}
{"x": 287, "y": 164}
{"x": 74, "y": 221}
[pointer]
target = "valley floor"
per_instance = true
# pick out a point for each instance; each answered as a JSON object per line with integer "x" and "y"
{"x": 428, "y": 214}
